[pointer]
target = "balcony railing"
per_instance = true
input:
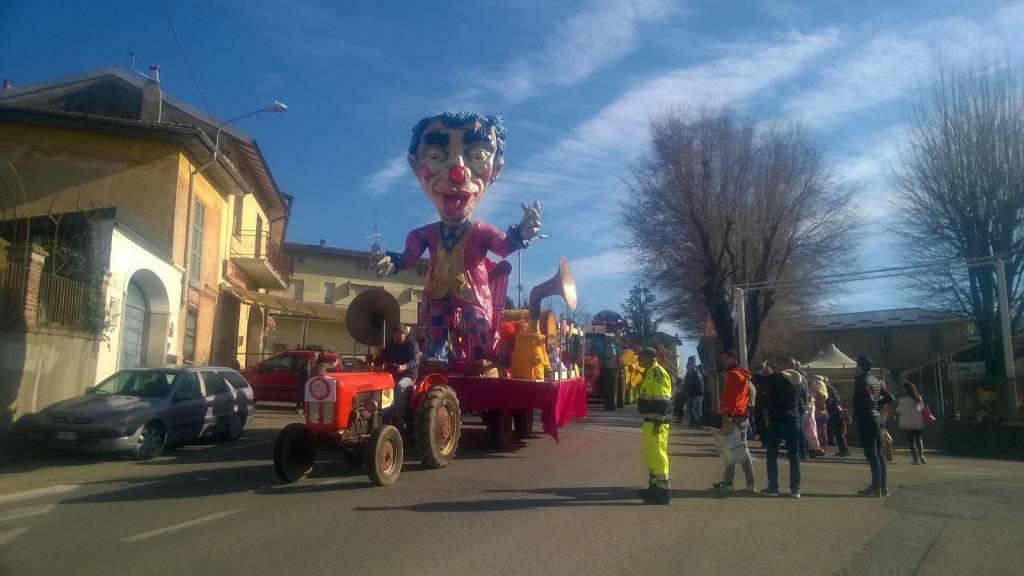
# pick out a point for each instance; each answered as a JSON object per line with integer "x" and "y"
{"x": 262, "y": 246}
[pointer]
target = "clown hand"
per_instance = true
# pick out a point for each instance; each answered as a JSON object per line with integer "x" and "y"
{"x": 529, "y": 226}
{"x": 381, "y": 262}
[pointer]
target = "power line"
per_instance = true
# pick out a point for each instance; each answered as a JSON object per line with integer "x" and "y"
{"x": 863, "y": 275}
{"x": 181, "y": 50}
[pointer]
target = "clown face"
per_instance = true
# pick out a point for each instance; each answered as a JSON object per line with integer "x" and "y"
{"x": 454, "y": 166}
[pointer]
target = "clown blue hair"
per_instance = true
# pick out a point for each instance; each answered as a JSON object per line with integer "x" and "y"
{"x": 453, "y": 119}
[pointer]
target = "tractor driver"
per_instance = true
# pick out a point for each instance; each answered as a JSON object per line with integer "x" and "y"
{"x": 402, "y": 356}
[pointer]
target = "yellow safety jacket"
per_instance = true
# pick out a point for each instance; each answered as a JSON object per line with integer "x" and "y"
{"x": 655, "y": 401}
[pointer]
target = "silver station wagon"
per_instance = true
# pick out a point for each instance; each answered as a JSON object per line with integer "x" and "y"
{"x": 140, "y": 411}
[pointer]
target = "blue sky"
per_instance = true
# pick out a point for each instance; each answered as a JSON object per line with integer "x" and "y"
{"x": 576, "y": 82}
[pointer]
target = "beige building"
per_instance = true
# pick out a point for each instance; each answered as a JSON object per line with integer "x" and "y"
{"x": 904, "y": 338}
{"x": 325, "y": 276}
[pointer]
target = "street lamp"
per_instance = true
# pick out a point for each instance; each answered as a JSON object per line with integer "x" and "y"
{"x": 276, "y": 106}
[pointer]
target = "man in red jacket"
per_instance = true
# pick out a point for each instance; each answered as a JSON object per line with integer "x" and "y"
{"x": 736, "y": 406}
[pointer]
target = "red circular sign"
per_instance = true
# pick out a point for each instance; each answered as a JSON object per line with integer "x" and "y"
{"x": 319, "y": 388}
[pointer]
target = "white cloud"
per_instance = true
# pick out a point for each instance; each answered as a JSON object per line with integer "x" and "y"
{"x": 594, "y": 37}
{"x": 621, "y": 128}
{"x": 886, "y": 66}
{"x": 613, "y": 264}
{"x": 380, "y": 182}
{"x": 869, "y": 169}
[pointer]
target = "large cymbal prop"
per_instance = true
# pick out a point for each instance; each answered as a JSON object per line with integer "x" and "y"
{"x": 371, "y": 314}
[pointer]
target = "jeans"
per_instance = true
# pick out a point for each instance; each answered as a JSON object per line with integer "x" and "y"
{"x": 403, "y": 394}
{"x": 740, "y": 422}
{"x": 870, "y": 427}
{"x": 790, "y": 432}
{"x": 696, "y": 405}
{"x": 916, "y": 444}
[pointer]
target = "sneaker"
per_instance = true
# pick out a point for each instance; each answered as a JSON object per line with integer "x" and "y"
{"x": 869, "y": 491}
{"x": 883, "y": 493}
{"x": 769, "y": 492}
{"x": 794, "y": 494}
{"x": 724, "y": 486}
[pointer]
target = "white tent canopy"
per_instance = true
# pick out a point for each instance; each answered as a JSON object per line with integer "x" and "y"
{"x": 831, "y": 357}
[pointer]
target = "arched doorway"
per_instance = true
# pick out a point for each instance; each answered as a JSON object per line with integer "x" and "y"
{"x": 144, "y": 322}
{"x": 133, "y": 327}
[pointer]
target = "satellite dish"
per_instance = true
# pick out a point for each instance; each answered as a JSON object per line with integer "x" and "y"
{"x": 371, "y": 315}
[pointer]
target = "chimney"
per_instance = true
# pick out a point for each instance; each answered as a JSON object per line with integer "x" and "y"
{"x": 152, "y": 99}
{"x": 8, "y": 84}
{"x": 323, "y": 243}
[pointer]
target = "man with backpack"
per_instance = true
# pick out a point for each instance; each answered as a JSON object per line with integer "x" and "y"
{"x": 737, "y": 402}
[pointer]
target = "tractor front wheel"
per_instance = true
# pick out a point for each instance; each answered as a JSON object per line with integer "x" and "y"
{"x": 438, "y": 427}
{"x": 294, "y": 453}
{"x": 385, "y": 454}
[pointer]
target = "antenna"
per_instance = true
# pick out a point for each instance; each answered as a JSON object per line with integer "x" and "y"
{"x": 377, "y": 230}
{"x": 131, "y": 67}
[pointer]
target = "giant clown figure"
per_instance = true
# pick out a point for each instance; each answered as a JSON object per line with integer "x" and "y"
{"x": 456, "y": 157}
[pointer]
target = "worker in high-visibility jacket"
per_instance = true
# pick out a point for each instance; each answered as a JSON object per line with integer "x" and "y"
{"x": 655, "y": 405}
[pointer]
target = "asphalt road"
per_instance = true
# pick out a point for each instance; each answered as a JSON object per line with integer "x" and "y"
{"x": 541, "y": 508}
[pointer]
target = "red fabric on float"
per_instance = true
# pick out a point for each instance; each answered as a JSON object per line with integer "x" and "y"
{"x": 560, "y": 402}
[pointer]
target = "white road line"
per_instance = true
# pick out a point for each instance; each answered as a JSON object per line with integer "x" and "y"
{"x": 174, "y": 527}
{"x": 37, "y": 493}
{"x": 25, "y": 512}
{"x": 9, "y": 536}
{"x": 249, "y": 445}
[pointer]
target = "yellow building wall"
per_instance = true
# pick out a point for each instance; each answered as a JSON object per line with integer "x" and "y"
{"x": 66, "y": 171}
{"x": 911, "y": 345}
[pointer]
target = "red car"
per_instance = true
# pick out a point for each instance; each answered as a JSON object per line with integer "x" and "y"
{"x": 276, "y": 379}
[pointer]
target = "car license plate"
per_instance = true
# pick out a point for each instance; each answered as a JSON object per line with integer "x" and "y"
{"x": 67, "y": 436}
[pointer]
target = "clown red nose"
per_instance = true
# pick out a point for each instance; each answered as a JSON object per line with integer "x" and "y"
{"x": 458, "y": 174}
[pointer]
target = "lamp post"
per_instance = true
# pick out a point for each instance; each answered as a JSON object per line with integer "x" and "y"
{"x": 276, "y": 106}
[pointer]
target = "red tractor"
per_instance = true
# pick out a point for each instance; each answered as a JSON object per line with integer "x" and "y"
{"x": 353, "y": 412}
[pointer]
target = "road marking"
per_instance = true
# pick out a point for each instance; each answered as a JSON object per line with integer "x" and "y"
{"x": 9, "y": 536}
{"x": 250, "y": 445}
{"x": 37, "y": 493}
{"x": 17, "y": 513}
{"x": 174, "y": 527}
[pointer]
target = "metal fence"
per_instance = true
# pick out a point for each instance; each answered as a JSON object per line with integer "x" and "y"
{"x": 261, "y": 245}
{"x": 63, "y": 303}
{"x": 981, "y": 399}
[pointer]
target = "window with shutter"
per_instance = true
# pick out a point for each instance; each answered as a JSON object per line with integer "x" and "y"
{"x": 328, "y": 292}
{"x": 196, "y": 264}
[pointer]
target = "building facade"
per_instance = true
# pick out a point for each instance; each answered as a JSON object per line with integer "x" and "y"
{"x": 184, "y": 212}
{"x": 335, "y": 276}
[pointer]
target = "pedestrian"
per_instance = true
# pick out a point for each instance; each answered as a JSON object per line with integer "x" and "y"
{"x": 301, "y": 377}
{"x": 736, "y": 407}
{"x": 819, "y": 394}
{"x": 782, "y": 399}
{"x": 402, "y": 356}
{"x": 655, "y": 405}
{"x": 911, "y": 420}
{"x": 838, "y": 420}
{"x": 868, "y": 396}
{"x": 678, "y": 399}
{"x": 693, "y": 386}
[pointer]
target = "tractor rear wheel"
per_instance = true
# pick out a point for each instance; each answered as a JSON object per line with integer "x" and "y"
{"x": 438, "y": 427}
{"x": 522, "y": 421}
{"x": 385, "y": 454}
{"x": 294, "y": 453}
{"x": 499, "y": 428}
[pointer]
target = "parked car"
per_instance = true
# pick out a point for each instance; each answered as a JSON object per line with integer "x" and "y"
{"x": 140, "y": 411}
{"x": 277, "y": 378}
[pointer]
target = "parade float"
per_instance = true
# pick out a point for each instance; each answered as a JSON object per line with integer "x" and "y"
{"x": 479, "y": 357}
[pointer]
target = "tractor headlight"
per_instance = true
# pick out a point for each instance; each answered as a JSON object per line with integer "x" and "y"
{"x": 387, "y": 398}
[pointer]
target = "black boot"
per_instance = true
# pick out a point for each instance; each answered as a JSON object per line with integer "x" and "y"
{"x": 658, "y": 495}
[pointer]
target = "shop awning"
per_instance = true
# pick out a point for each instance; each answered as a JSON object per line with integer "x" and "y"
{"x": 288, "y": 306}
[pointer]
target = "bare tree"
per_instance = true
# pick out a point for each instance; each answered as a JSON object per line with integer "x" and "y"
{"x": 960, "y": 192}
{"x": 724, "y": 200}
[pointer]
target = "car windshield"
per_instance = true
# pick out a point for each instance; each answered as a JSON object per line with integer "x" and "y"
{"x": 143, "y": 384}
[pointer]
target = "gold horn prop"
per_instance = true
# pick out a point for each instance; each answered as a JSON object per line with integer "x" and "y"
{"x": 561, "y": 284}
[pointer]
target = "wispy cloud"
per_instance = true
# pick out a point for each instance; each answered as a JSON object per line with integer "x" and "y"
{"x": 380, "y": 182}
{"x": 869, "y": 169}
{"x": 886, "y": 65}
{"x": 599, "y": 34}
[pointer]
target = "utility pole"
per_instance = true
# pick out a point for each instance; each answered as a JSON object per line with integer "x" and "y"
{"x": 1004, "y": 325}
{"x": 739, "y": 297}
